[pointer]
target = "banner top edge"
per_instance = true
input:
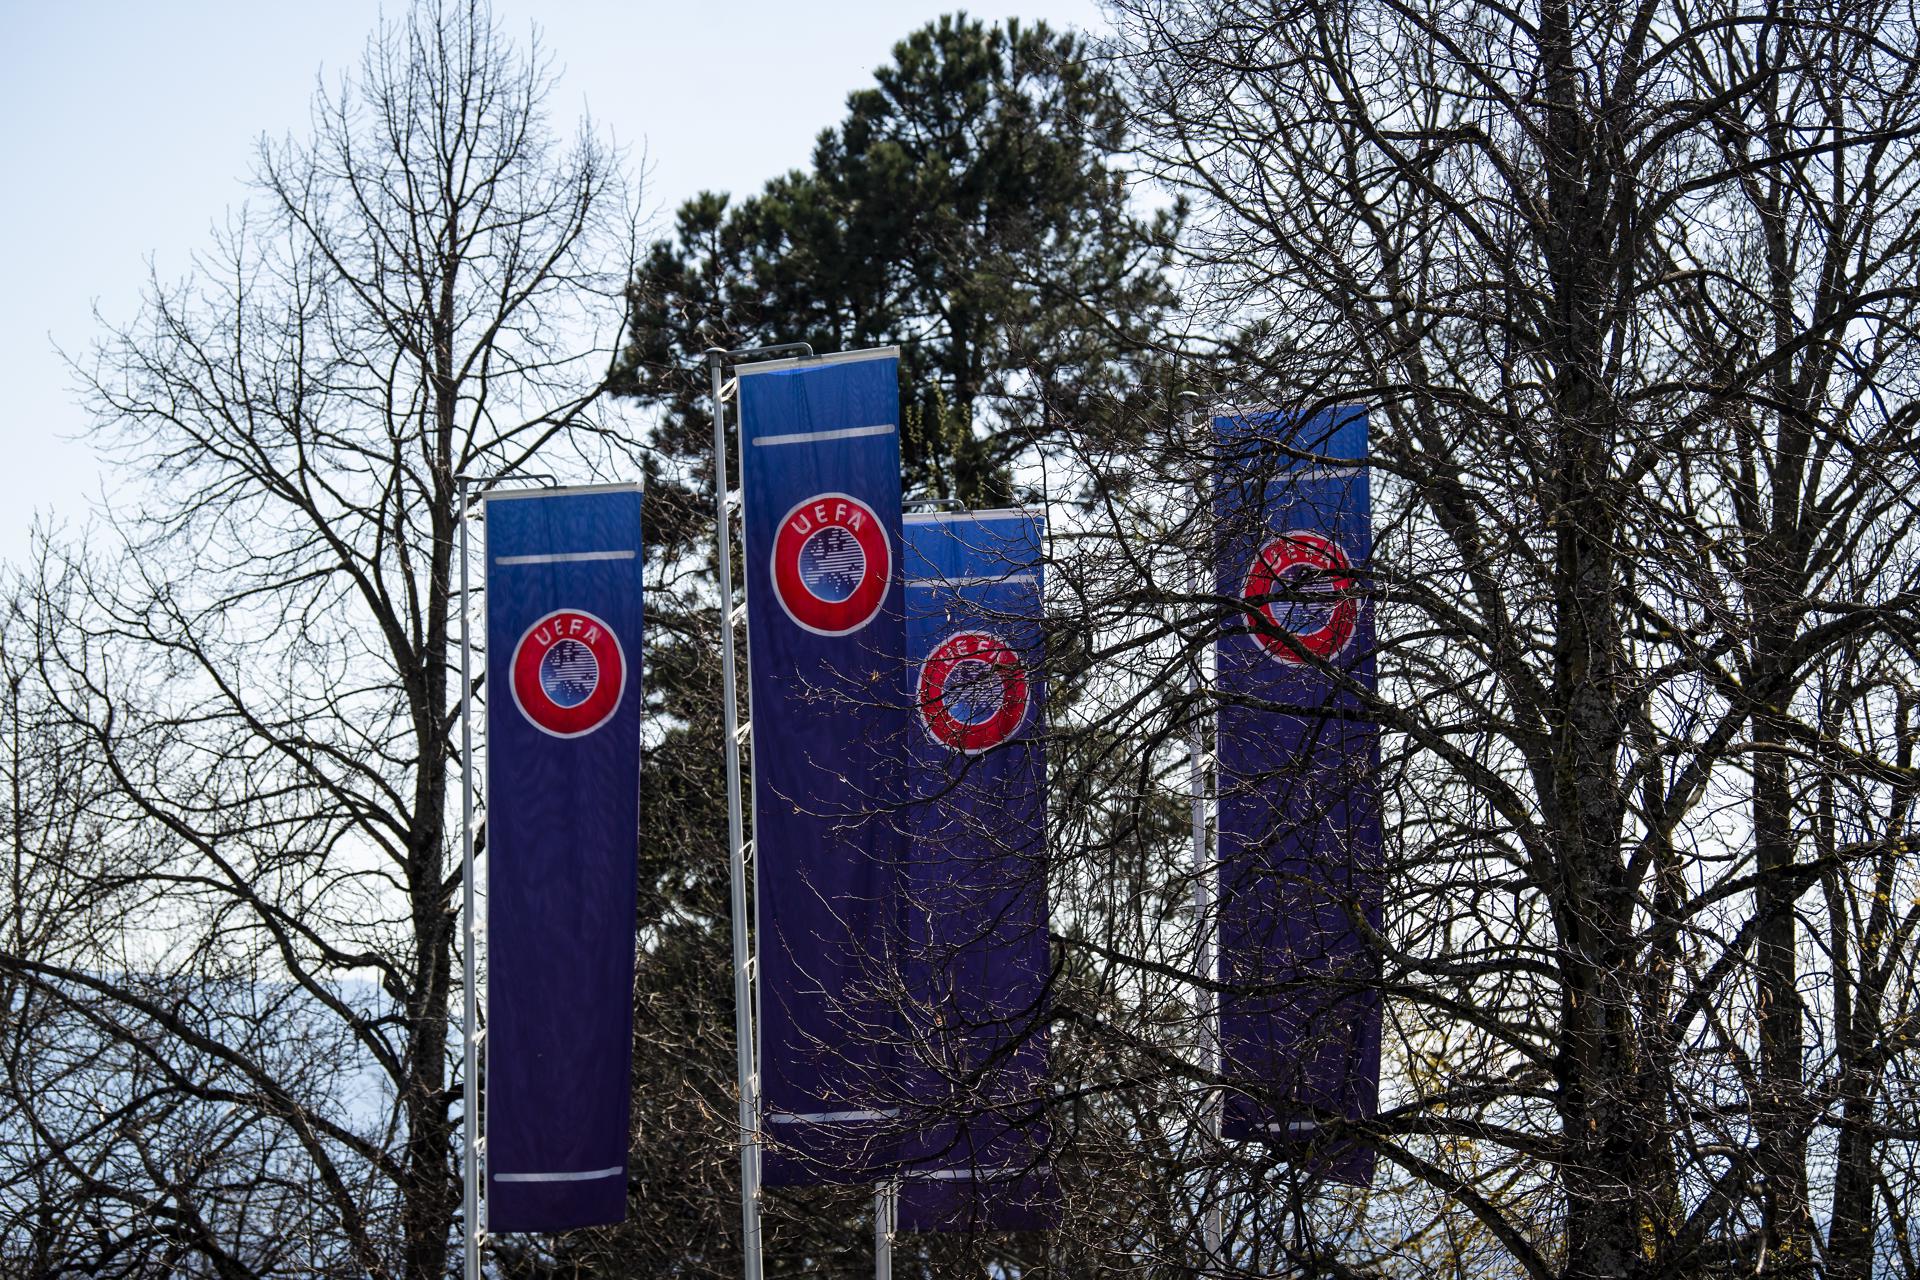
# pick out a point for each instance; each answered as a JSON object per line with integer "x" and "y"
{"x": 797, "y": 362}
{"x": 988, "y": 513}
{"x": 1230, "y": 409}
{"x": 559, "y": 491}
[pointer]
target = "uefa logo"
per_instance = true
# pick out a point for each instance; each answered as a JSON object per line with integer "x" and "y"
{"x": 568, "y": 673}
{"x": 1313, "y": 580}
{"x": 972, "y": 692}
{"x": 831, "y": 564}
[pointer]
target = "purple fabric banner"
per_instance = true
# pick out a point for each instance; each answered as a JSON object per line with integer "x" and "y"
{"x": 1299, "y": 810}
{"x": 563, "y": 580}
{"x": 820, "y": 471}
{"x": 975, "y": 1152}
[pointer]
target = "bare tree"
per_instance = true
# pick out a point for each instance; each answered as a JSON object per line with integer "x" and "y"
{"x": 258, "y": 653}
{"x": 1629, "y": 292}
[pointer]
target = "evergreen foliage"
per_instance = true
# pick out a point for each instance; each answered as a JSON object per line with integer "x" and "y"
{"x": 970, "y": 208}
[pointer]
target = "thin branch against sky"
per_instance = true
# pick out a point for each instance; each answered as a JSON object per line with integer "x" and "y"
{"x": 134, "y": 126}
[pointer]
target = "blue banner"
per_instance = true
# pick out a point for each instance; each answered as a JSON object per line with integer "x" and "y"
{"x": 820, "y": 474}
{"x": 975, "y": 1151}
{"x": 563, "y": 582}
{"x": 1299, "y": 809}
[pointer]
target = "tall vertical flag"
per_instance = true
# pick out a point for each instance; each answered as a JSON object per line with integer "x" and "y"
{"x": 976, "y": 958}
{"x": 1299, "y": 809}
{"x": 820, "y": 475}
{"x": 563, "y": 575}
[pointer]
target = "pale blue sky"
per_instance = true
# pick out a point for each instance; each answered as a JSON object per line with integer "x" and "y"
{"x": 130, "y": 125}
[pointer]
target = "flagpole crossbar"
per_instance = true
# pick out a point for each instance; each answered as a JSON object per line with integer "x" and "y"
{"x": 775, "y": 351}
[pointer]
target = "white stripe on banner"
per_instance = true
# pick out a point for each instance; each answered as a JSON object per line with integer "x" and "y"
{"x": 829, "y": 1117}
{"x": 977, "y": 580}
{"x": 1320, "y": 473}
{"x": 1295, "y": 1126}
{"x": 567, "y": 557}
{"x": 588, "y": 1176}
{"x": 844, "y": 433}
{"x": 982, "y": 1175}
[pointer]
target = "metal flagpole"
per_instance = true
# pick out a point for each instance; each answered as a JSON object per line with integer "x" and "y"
{"x": 470, "y": 1084}
{"x": 736, "y": 849}
{"x": 883, "y": 1231}
{"x": 1203, "y": 871}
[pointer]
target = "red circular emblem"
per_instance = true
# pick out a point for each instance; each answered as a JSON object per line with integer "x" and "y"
{"x": 1302, "y": 584}
{"x": 831, "y": 564}
{"x": 568, "y": 673}
{"x": 973, "y": 692}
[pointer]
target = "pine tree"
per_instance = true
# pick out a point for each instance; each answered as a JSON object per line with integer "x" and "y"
{"x": 969, "y": 208}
